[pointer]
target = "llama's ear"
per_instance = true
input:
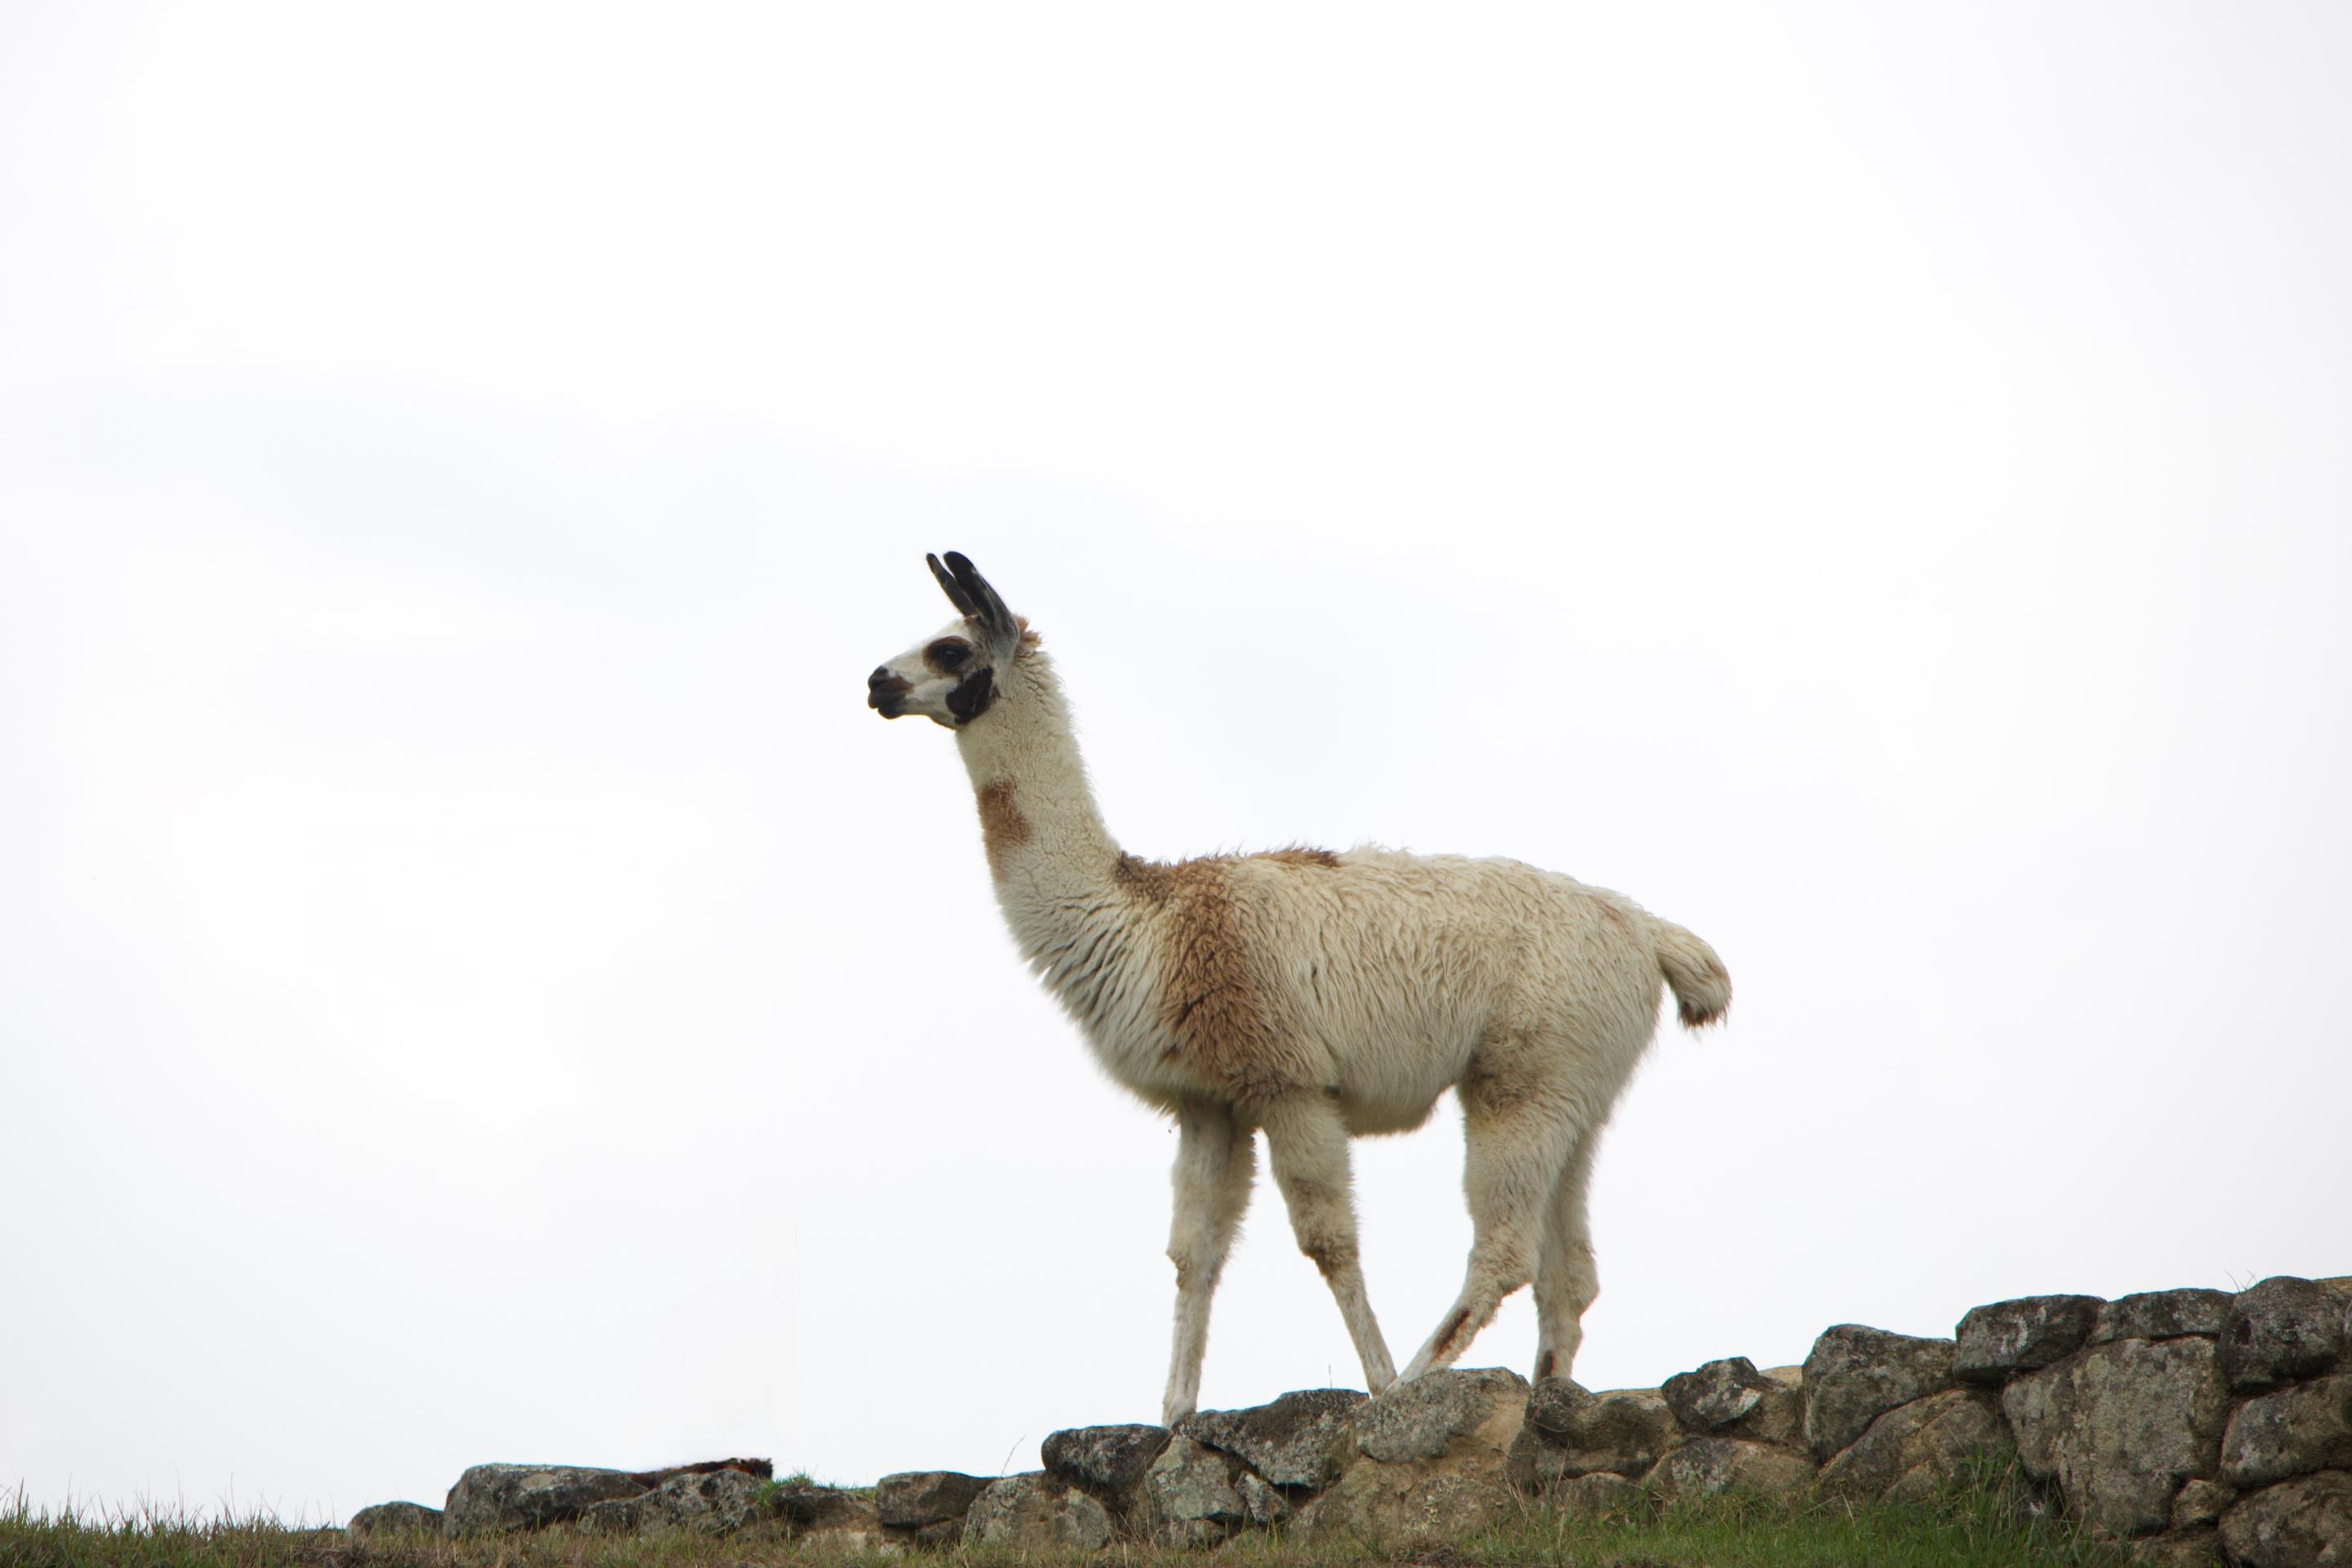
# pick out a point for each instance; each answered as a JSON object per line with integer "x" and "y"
{"x": 1004, "y": 630}
{"x": 956, "y": 596}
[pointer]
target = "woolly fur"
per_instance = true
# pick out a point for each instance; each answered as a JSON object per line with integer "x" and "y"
{"x": 1317, "y": 996}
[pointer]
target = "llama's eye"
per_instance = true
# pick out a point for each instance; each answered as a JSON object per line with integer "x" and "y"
{"x": 949, "y": 655}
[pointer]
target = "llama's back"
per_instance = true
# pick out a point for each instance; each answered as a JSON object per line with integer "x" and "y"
{"x": 1448, "y": 948}
{"x": 1594, "y": 928}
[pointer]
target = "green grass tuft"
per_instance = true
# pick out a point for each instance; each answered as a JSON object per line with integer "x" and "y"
{"x": 1997, "y": 1523}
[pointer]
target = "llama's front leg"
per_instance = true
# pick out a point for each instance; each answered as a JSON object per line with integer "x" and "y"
{"x": 1214, "y": 1162}
{"x": 1308, "y": 1143}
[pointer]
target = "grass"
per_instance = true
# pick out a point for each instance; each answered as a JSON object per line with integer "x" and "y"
{"x": 1996, "y": 1523}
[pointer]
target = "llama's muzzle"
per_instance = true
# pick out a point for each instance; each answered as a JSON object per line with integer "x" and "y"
{"x": 883, "y": 690}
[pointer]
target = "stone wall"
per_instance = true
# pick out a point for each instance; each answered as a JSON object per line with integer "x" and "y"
{"x": 2200, "y": 1427}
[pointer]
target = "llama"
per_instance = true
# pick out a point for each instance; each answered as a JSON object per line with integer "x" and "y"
{"x": 1317, "y": 996}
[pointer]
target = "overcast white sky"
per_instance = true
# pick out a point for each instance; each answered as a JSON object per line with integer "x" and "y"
{"x": 476, "y": 983}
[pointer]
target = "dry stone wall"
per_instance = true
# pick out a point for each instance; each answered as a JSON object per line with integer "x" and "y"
{"x": 2198, "y": 1427}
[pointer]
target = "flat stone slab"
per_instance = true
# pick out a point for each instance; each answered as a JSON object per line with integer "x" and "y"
{"x": 1034, "y": 1512}
{"x": 1779, "y": 1417}
{"x": 715, "y": 1501}
{"x": 2201, "y": 1503}
{"x": 1854, "y": 1374}
{"x": 2290, "y": 1433}
{"x": 1706, "y": 1467}
{"x": 2283, "y": 1329}
{"x": 1191, "y": 1495}
{"x": 496, "y": 1498}
{"x": 1261, "y": 1501}
{"x": 1570, "y": 1432}
{"x": 2121, "y": 1426}
{"x": 1288, "y": 1442}
{"x": 1915, "y": 1451}
{"x": 806, "y": 1506}
{"x": 1423, "y": 1418}
{"x": 1411, "y": 1507}
{"x": 1108, "y": 1462}
{"x": 1994, "y": 1343}
{"x": 395, "y": 1519}
{"x": 2303, "y": 1524}
{"x": 1717, "y": 1393}
{"x": 913, "y": 1499}
{"x": 2161, "y": 1315}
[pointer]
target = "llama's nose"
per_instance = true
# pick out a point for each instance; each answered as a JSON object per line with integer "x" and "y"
{"x": 883, "y": 688}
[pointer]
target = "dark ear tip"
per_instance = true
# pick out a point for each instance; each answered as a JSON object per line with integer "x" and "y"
{"x": 959, "y": 562}
{"x": 958, "y": 594}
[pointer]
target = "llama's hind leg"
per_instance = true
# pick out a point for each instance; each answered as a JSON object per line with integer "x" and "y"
{"x": 1307, "y": 1143}
{"x": 1566, "y": 1281}
{"x": 1215, "y": 1159}
{"x": 1517, "y": 1149}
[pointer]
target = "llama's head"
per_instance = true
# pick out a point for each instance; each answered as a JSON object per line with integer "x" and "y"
{"x": 951, "y": 677}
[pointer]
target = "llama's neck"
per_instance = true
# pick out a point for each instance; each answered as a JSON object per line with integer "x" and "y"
{"x": 1047, "y": 848}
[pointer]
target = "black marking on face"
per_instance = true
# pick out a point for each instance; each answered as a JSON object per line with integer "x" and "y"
{"x": 947, "y": 654}
{"x": 969, "y": 699}
{"x": 884, "y": 692}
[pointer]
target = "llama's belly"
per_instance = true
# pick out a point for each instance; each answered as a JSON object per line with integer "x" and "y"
{"x": 1370, "y": 1118}
{"x": 1391, "y": 1085}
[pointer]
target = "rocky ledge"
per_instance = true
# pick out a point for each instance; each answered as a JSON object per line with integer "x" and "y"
{"x": 2198, "y": 1427}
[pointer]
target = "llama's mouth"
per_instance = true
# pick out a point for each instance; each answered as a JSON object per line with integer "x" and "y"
{"x": 886, "y": 693}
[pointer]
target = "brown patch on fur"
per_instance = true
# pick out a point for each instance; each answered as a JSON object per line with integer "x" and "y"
{"x": 1544, "y": 1363}
{"x": 1029, "y": 639}
{"x": 1213, "y": 1000}
{"x": 1002, "y": 828}
{"x": 1297, "y": 856}
{"x": 1444, "y": 1344}
{"x": 934, "y": 666}
{"x": 1152, "y": 881}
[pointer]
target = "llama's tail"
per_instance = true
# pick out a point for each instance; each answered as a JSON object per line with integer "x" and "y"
{"x": 1702, "y": 985}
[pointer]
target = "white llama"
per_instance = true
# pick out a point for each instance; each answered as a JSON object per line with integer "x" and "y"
{"x": 1316, "y": 995}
